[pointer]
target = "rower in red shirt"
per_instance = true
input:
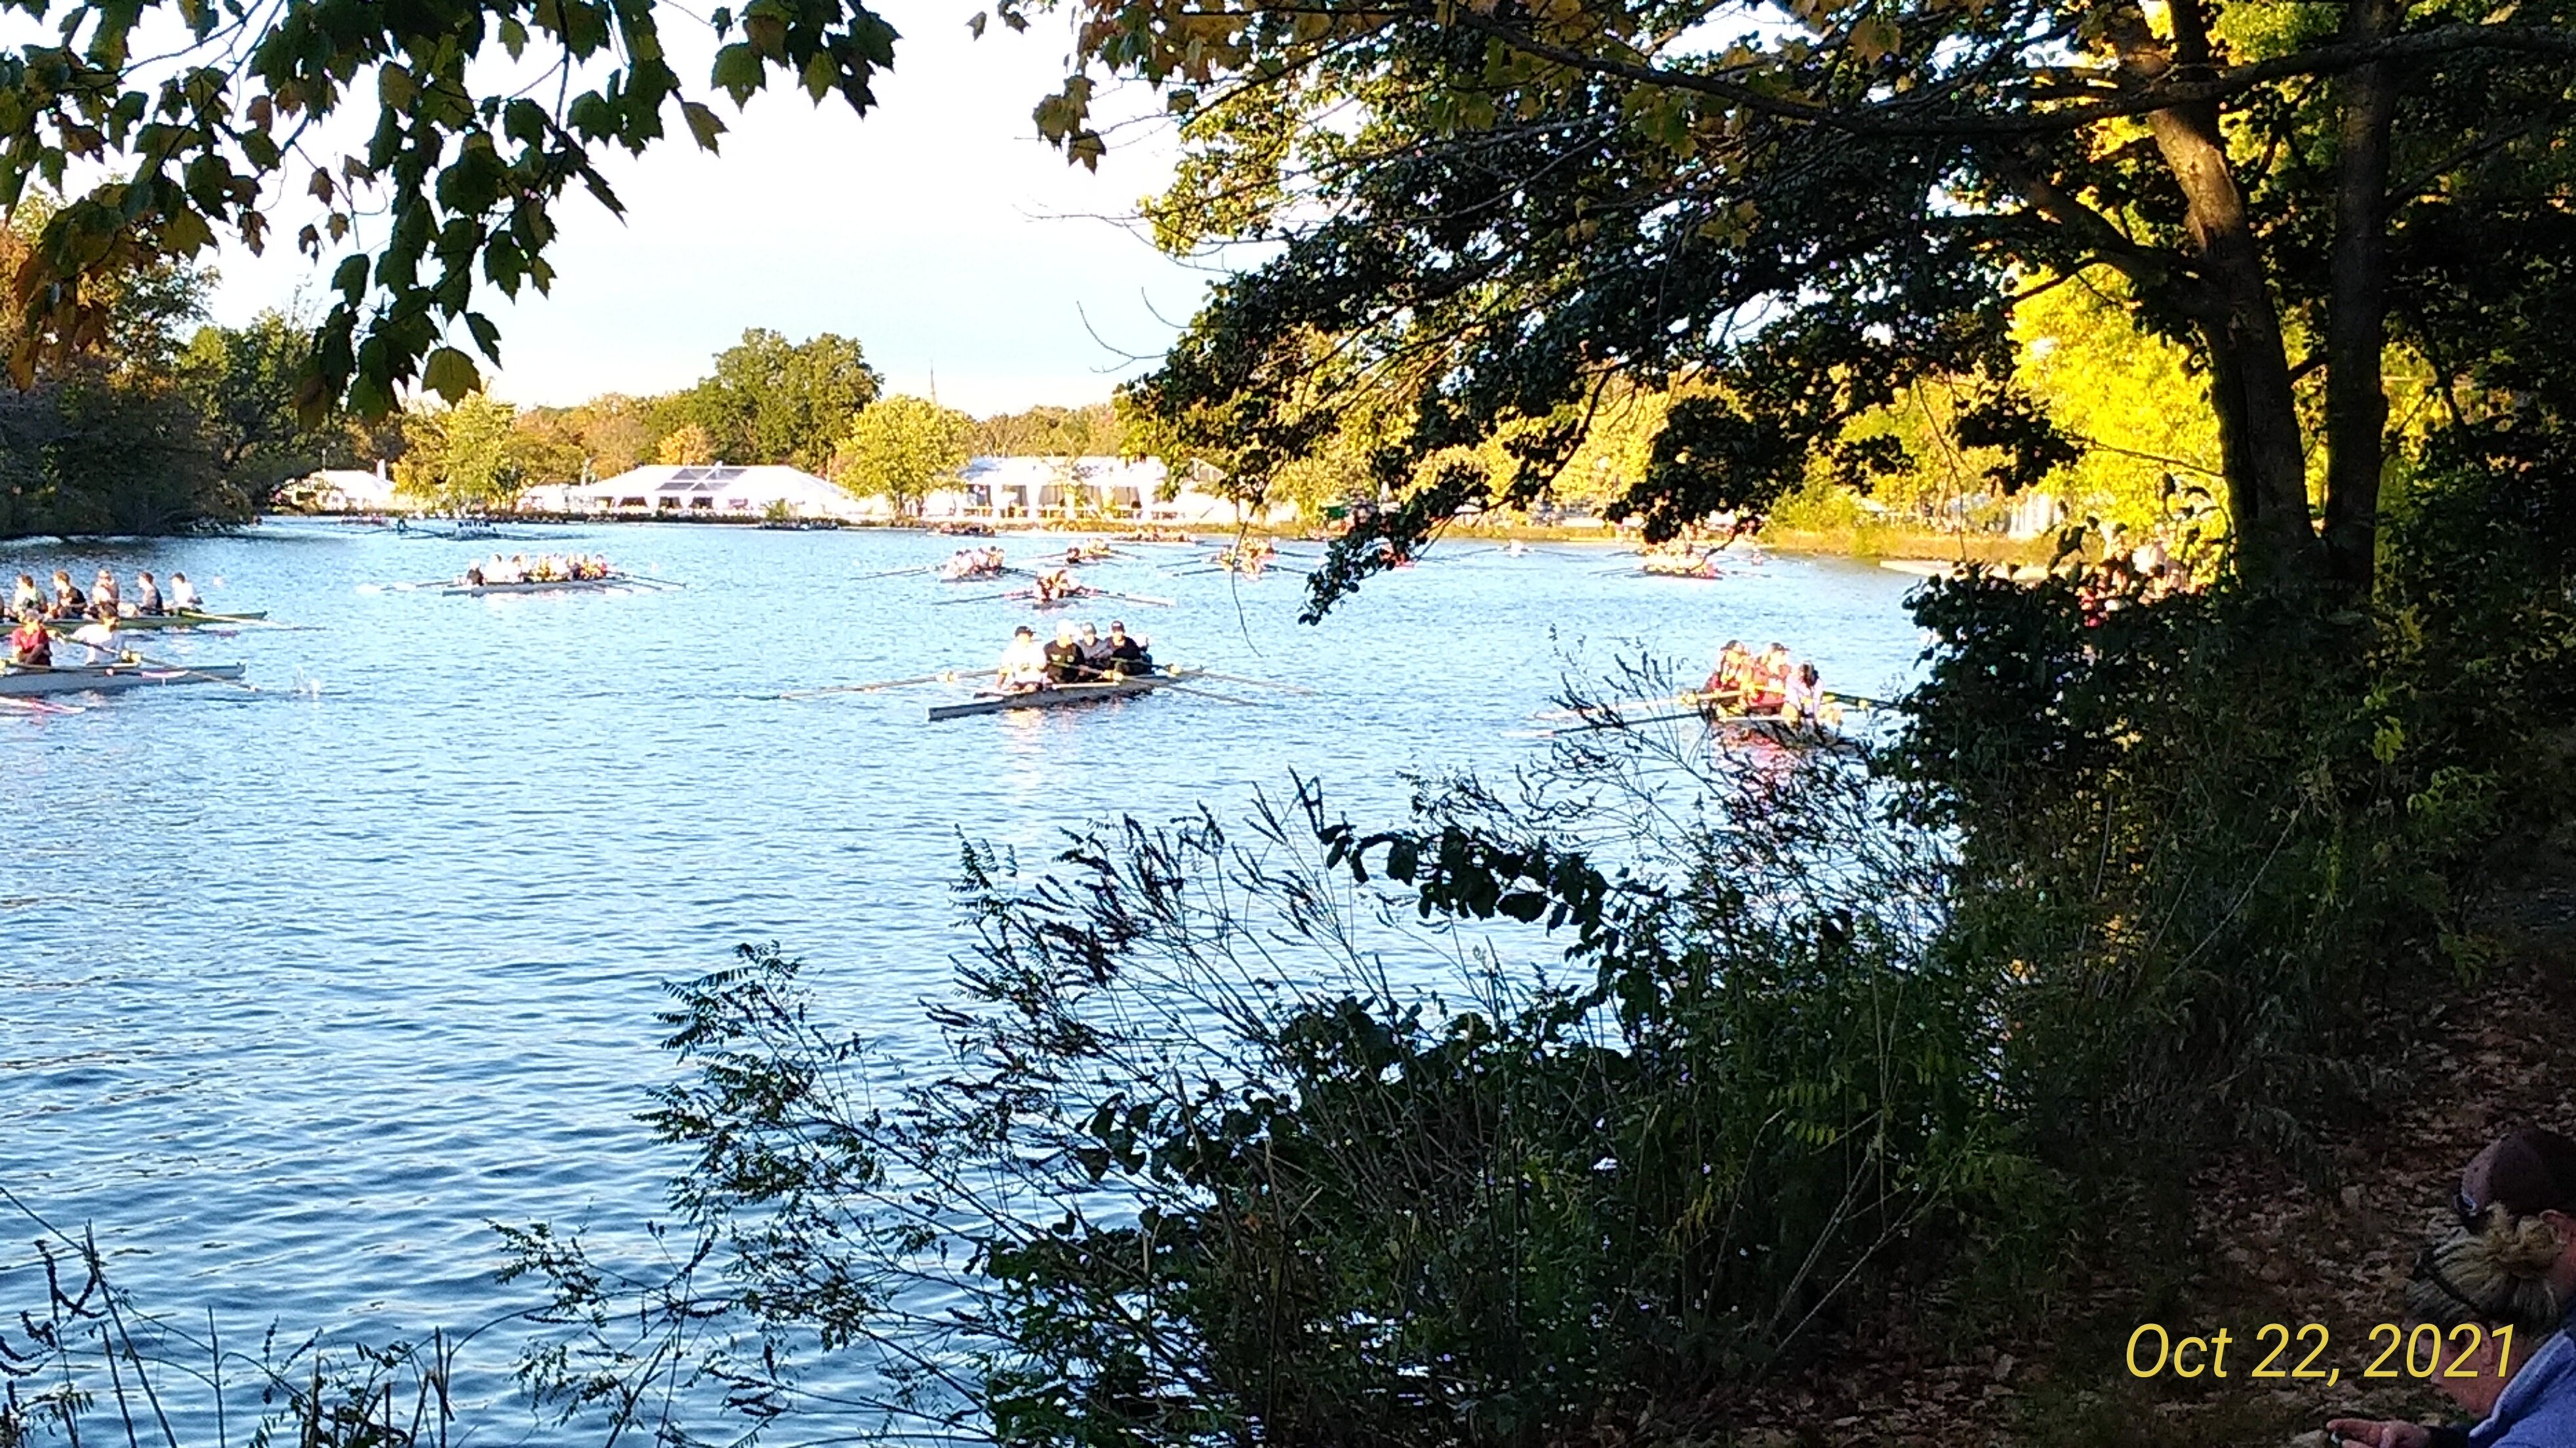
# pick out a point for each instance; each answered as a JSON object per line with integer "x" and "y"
{"x": 29, "y": 644}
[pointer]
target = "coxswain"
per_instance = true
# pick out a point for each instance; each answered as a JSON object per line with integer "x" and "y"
{"x": 1064, "y": 656}
{"x": 29, "y": 598}
{"x": 1770, "y": 680}
{"x": 1023, "y": 665}
{"x": 183, "y": 595}
{"x": 1127, "y": 655}
{"x": 1055, "y": 584}
{"x": 69, "y": 602}
{"x": 30, "y": 646}
{"x": 147, "y": 597}
{"x": 474, "y": 575}
{"x": 102, "y": 594}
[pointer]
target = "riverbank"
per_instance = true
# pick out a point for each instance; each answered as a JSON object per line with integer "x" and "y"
{"x": 1870, "y": 543}
{"x": 2264, "y": 1244}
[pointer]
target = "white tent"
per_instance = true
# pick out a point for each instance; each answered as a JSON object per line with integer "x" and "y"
{"x": 345, "y": 490}
{"x": 1061, "y": 487}
{"x": 663, "y": 491}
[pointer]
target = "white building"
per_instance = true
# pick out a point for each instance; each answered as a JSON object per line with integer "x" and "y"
{"x": 662, "y": 490}
{"x": 345, "y": 490}
{"x": 1081, "y": 487}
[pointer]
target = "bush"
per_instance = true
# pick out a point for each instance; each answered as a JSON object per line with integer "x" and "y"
{"x": 1220, "y": 1159}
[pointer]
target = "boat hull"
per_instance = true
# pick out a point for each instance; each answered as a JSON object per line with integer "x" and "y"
{"x": 1063, "y": 696}
{"x": 110, "y": 679}
{"x": 147, "y": 622}
{"x": 562, "y": 585}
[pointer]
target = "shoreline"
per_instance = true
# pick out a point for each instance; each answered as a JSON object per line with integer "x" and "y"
{"x": 1865, "y": 543}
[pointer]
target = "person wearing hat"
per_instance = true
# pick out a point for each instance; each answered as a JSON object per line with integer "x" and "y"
{"x": 1095, "y": 652}
{"x": 1023, "y": 665}
{"x": 1127, "y": 653}
{"x": 2509, "y": 1259}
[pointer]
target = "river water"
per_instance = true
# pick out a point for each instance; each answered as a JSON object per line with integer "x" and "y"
{"x": 302, "y": 989}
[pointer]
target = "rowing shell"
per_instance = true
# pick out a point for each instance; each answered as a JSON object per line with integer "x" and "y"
{"x": 1060, "y": 697}
{"x": 132, "y": 622}
{"x": 560, "y": 585}
{"x": 108, "y": 679}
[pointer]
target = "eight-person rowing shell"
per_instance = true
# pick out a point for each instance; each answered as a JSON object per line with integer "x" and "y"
{"x": 516, "y": 569}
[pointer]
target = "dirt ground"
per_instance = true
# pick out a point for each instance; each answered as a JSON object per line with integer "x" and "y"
{"x": 2267, "y": 1245}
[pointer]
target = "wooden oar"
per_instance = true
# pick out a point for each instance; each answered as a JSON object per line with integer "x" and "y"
{"x": 1212, "y": 694}
{"x": 944, "y": 676}
{"x": 192, "y": 673}
{"x": 1256, "y": 683}
{"x": 1687, "y": 696}
{"x": 986, "y": 597}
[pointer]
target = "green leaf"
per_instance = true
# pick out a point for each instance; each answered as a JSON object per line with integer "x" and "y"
{"x": 703, "y": 124}
{"x": 737, "y": 71}
{"x": 451, "y": 374}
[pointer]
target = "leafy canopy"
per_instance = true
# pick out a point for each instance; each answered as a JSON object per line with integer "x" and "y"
{"x": 1490, "y": 213}
{"x": 903, "y": 447}
{"x": 478, "y": 117}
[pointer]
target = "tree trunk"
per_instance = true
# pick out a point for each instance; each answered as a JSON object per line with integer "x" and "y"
{"x": 2357, "y": 311}
{"x": 2249, "y": 368}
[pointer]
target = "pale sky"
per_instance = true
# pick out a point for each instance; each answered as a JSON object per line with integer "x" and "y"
{"x": 938, "y": 231}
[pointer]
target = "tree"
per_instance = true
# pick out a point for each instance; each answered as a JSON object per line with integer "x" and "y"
{"x": 1092, "y": 430}
{"x": 1495, "y": 211}
{"x": 687, "y": 447}
{"x": 244, "y": 382}
{"x": 463, "y": 456}
{"x": 903, "y": 447}
{"x": 775, "y": 401}
{"x": 477, "y": 119}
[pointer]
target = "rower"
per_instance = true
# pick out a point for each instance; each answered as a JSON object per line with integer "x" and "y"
{"x": 1064, "y": 656}
{"x": 1023, "y": 667}
{"x": 1771, "y": 679}
{"x": 1726, "y": 681}
{"x": 1127, "y": 655}
{"x": 183, "y": 595}
{"x": 98, "y": 639}
{"x": 147, "y": 597}
{"x": 69, "y": 602}
{"x": 1809, "y": 701}
{"x": 29, "y": 645}
{"x": 102, "y": 594}
{"x": 1095, "y": 652}
{"x": 28, "y": 599}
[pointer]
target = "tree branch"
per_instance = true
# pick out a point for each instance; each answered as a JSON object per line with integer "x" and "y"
{"x": 2192, "y": 85}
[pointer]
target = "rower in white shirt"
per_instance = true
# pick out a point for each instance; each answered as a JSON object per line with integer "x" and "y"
{"x": 1023, "y": 665}
{"x": 100, "y": 640}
